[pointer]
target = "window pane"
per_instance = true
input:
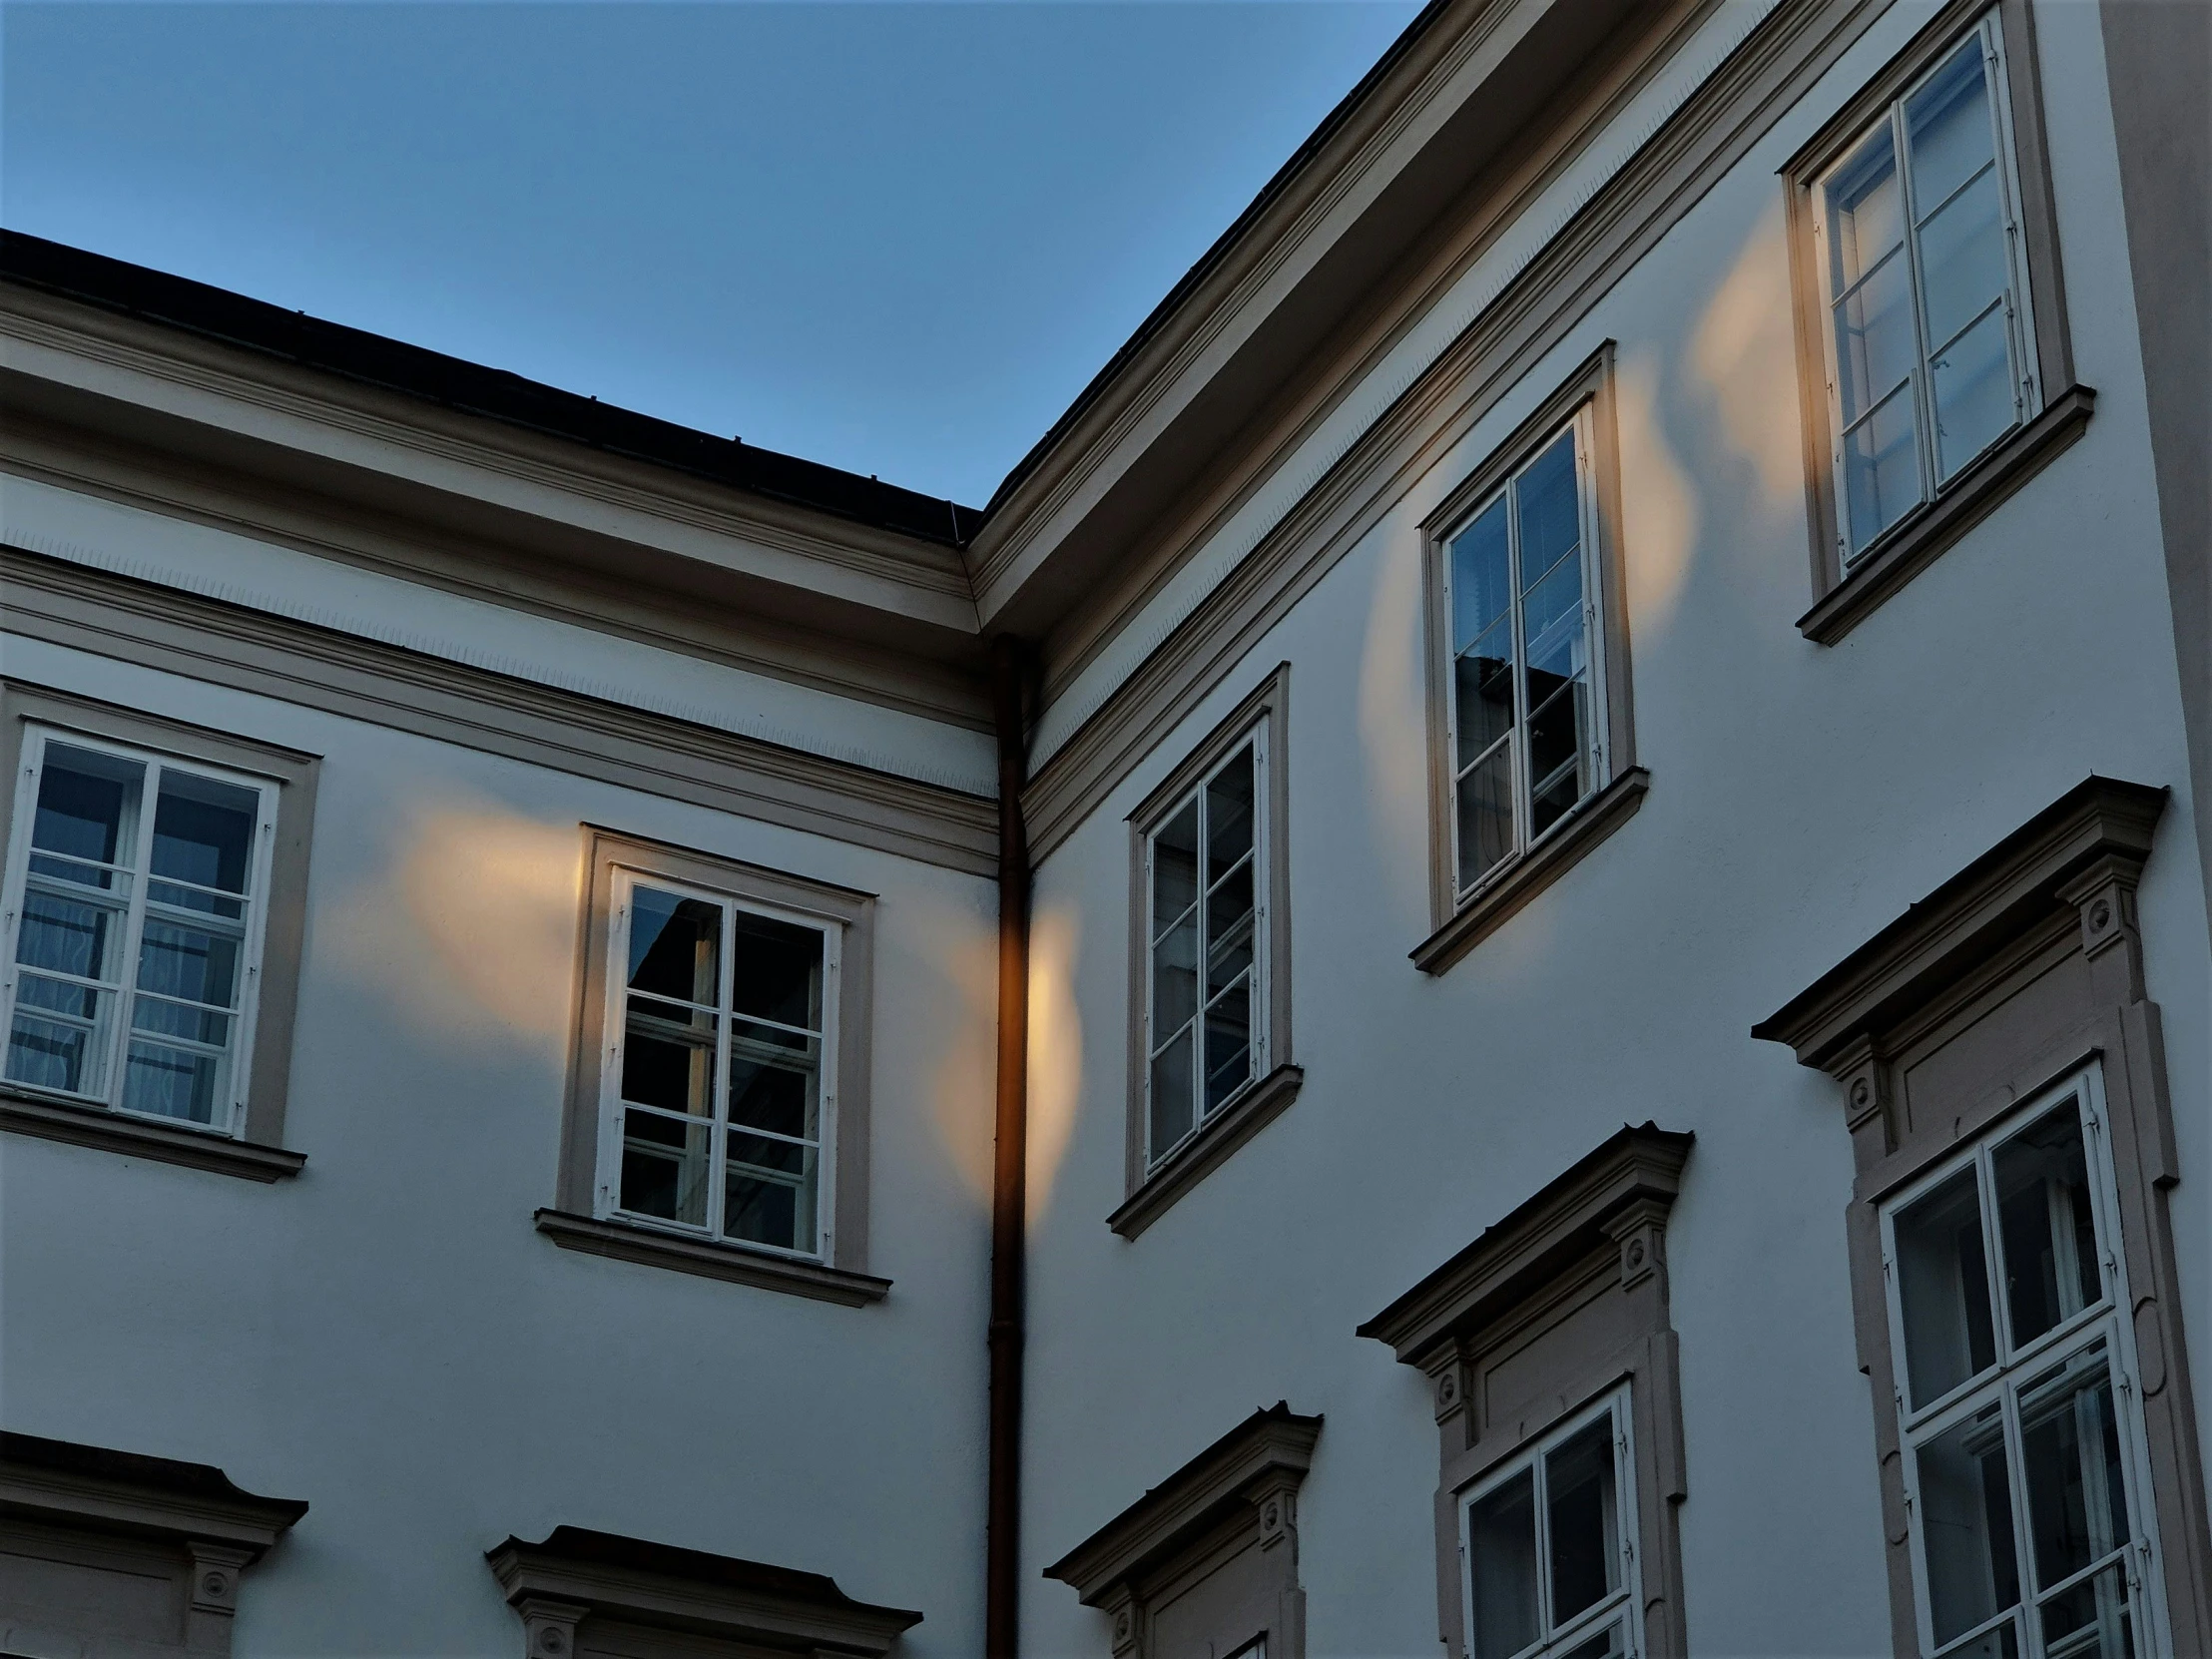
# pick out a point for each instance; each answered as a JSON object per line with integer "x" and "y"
{"x": 1866, "y": 211}
{"x": 1501, "y": 1557}
{"x": 2001, "y": 1643}
{"x": 1973, "y": 391}
{"x": 86, "y": 803}
{"x": 185, "y": 1020}
{"x": 175, "y": 1083}
{"x": 1943, "y": 1286}
{"x": 1229, "y": 814}
{"x": 1483, "y": 683}
{"x": 1875, "y": 343}
{"x": 674, "y": 945}
{"x": 2090, "y": 1620}
{"x": 1550, "y": 511}
{"x": 1966, "y": 1515}
{"x": 770, "y": 1196}
{"x": 664, "y": 1167}
{"x": 1584, "y": 1522}
{"x": 66, "y": 935}
{"x": 667, "y": 1057}
{"x": 1486, "y": 815}
{"x": 1228, "y": 1043}
{"x": 1609, "y": 1643}
{"x": 1174, "y": 869}
{"x": 1551, "y": 618}
{"x": 193, "y": 963}
{"x": 1962, "y": 260}
{"x": 1882, "y": 469}
{"x": 776, "y": 970}
{"x": 2045, "y": 1225}
{"x": 204, "y": 830}
{"x": 2070, "y": 1443}
{"x": 1175, "y": 977}
{"x": 1948, "y": 127}
{"x": 1558, "y": 755}
{"x": 1481, "y": 576}
{"x": 773, "y": 1080}
{"x": 60, "y": 1038}
{"x": 1229, "y": 927}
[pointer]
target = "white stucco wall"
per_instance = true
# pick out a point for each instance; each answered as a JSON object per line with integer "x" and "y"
{"x": 1801, "y": 796}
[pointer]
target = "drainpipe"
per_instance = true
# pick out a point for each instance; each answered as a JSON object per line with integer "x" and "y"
{"x": 1002, "y": 1537}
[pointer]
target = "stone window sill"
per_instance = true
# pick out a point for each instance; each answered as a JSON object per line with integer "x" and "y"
{"x": 1492, "y": 903}
{"x": 55, "y": 1120}
{"x": 1914, "y": 543}
{"x": 1207, "y": 1150}
{"x": 711, "y": 1260}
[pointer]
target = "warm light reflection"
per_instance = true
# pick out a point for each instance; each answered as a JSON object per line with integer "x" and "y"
{"x": 963, "y": 1088}
{"x": 472, "y": 929}
{"x": 1744, "y": 353}
{"x": 1394, "y": 721}
{"x": 1055, "y": 1049}
{"x": 1660, "y": 535}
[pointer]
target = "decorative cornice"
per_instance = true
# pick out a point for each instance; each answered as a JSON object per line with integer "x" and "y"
{"x": 1274, "y": 1447}
{"x": 62, "y": 1484}
{"x": 1635, "y": 1174}
{"x": 2022, "y": 881}
{"x": 576, "y": 1574}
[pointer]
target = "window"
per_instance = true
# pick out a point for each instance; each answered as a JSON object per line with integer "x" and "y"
{"x": 1931, "y": 336}
{"x": 2014, "y": 1383}
{"x": 1210, "y": 1014}
{"x": 1549, "y": 1569}
{"x": 1532, "y": 756}
{"x": 152, "y": 915}
{"x": 717, "y": 1106}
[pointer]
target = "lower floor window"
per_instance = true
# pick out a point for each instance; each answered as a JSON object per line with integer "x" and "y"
{"x": 1551, "y": 1569}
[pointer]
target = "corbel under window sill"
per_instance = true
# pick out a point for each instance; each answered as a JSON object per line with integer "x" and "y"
{"x": 1910, "y": 546}
{"x": 1491, "y": 904}
{"x": 22, "y": 1113}
{"x": 711, "y": 1260}
{"x": 1207, "y": 1150}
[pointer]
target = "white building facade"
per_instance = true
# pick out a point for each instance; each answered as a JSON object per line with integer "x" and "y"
{"x": 1606, "y": 932}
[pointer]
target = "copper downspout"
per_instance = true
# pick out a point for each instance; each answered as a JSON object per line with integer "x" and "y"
{"x": 1002, "y": 1537}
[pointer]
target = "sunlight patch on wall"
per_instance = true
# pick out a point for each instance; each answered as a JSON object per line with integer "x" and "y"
{"x": 1394, "y": 721}
{"x": 1660, "y": 538}
{"x": 1744, "y": 354}
{"x": 471, "y": 930}
{"x": 1055, "y": 1049}
{"x": 962, "y": 1094}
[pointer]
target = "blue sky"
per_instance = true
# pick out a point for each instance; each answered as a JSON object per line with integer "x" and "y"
{"x": 898, "y": 238}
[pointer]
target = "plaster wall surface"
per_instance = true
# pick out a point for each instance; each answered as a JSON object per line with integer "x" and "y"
{"x": 1801, "y": 796}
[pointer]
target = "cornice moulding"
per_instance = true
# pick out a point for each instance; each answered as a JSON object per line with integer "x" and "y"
{"x": 60, "y": 1483}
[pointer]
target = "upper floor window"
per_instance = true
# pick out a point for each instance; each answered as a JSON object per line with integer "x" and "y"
{"x": 1931, "y": 340}
{"x": 136, "y": 893}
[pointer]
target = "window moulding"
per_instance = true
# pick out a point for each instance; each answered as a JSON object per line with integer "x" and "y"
{"x": 66, "y": 1510}
{"x": 624, "y": 1241}
{"x": 2007, "y": 979}
{"x": 1230, "y": 1510}
{"x": 1567, "y": 1296}
{"x": 597, "y": 1595}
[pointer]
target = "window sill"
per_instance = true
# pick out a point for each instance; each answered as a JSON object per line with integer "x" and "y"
{"x": 1207, "y": 1150}
{"x": 1913, "y": 545}
{"x": 1505, "y": 893}
{"x": 710, "y": 1259}
{"x": 56, "y": 1120}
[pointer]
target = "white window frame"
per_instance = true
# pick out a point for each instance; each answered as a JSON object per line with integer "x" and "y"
{"x": 2102, "y": 1321}
{"x": 36, "y": 738}
{"x": 605, "y": 1191}
{"x": 1261, "y": 858}
{"x": 2028, "y": 388}
{"x": 1628, "y": 1598}
{"x": 1590, "y": 550}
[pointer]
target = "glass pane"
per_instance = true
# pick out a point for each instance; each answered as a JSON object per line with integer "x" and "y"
{"x": 1551, "y": 618}
{"x": 1962, "y": 258}
{"x": 2071, "y": 1446}
{"x": 1229, "y": 814}
{"x": 1174, "y": 1094}
{"x": 1609, "y": 1643}
{"x": 1481, "y": 576}
{"x": 664, "y": 1167}
{"x": 2090, "y": 1620}
{"x": 2045, "y": 1225}
{"x": 1882, "y": 469}
{"x": 1943, "y": 1286}
{"x": 60, "y": 1037}
{"x": 1550, "y": 511}
{"x": 1584, "y": 1520}
{"x": 86, "y": 805}
{"x": 2001, "y": 1643}
{"x": 667, "y": 1057}
{"x": 773, "y": 1080}
{"x": 1229, "y": 927}
{"x": 1486, "y": 815}
{"x": 1865, "y": 210}
{"x": 674, "y": 945}
{"x": 1482, "y": 685}
{"x": 175, "y": 1083}
{"x": 193, "y": 963}
{"x": 1174, "y": 869}
{"x": 1874, "y": 342}
{"x": 204, "y": 830}
{"x": 1502, "y": 1561}
{"x": 1965, "y": 1514}
{"x": 771, "y": 1192}
{"x": 1228, "y": 1043}
{"x": 776, "y": 970}
{"x": 185, "y": 1020}
{"x": 1974, "y": 392}
{"x": 1559, "y": 752}
{"x": 68, "y": 936}
{"x": 1175, "y": 979}
{"x": 1948, "y": 127}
